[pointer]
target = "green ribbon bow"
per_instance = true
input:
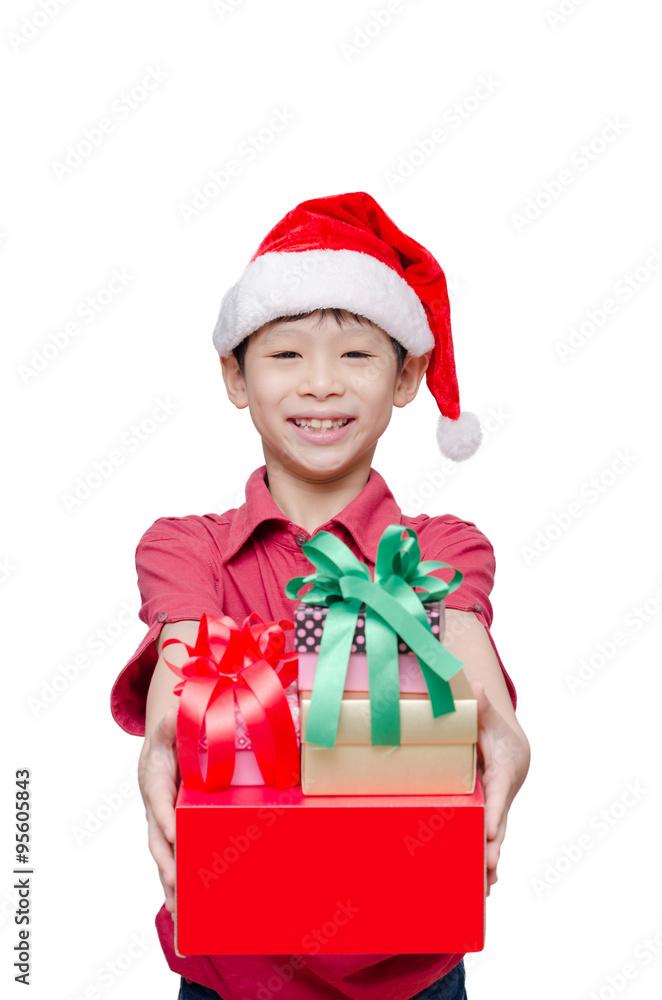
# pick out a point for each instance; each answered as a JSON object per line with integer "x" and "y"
{"x": 392, "y": 608}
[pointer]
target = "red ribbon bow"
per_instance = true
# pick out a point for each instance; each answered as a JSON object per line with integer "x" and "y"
{"x": 249, "y": 664}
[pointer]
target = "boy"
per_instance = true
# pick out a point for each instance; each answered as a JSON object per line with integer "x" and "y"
{"x": 335, "y": 320}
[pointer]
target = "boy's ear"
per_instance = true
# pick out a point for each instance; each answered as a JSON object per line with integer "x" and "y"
{"x": 409, "y": 379}
{"x": 235, "y": 383}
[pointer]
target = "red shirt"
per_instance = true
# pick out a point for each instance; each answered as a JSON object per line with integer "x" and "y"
{"x": 238, "y": 562}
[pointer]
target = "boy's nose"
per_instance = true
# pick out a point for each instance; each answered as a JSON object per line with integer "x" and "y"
{"x": 321, "y": 381}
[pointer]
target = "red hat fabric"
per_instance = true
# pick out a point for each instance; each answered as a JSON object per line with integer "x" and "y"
{"x": 343, "y": 251}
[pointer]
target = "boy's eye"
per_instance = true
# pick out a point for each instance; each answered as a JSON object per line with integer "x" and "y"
{"x": 293, "y": 354}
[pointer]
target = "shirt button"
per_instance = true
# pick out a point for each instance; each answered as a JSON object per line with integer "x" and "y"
{"x": 300, "y": 538}
{"x": 161, "y": 617}
{"x": 477, "y": 608}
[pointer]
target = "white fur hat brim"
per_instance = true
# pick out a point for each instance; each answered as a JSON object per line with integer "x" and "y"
{"x": 285, "y": 284}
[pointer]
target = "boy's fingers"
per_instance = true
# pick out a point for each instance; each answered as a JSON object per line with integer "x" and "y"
{"x": 168, "y": 884}
{"x": 158, "y": 785}
{"x": 493, "y": 850}
{"x": 497, "y": 784}
{"x": 161, "y": 804}
{"x": 168, "y": 891}
{"x": 170, "y": 901}
{"x": 161, "y": 851}
{"x": 495, "y": 812}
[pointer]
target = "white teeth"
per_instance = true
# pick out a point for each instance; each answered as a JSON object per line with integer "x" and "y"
{"x": 313, "y": 423}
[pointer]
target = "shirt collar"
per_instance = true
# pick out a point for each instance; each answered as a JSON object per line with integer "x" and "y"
{"x": 365, "y": 517}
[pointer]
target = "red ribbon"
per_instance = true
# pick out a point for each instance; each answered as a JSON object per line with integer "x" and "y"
{"x": 249, "y": 664}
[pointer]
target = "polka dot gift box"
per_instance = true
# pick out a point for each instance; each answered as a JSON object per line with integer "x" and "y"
{"x": 309, "y": 621}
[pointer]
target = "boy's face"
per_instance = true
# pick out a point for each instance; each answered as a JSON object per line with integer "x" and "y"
{"x": 310, "y": 369}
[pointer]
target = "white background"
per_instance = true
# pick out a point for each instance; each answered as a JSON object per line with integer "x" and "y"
{"x": 556, "y": 928}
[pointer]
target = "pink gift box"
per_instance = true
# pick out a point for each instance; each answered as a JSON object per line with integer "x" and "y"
{"x": 246, "y": 768}
{"x": 411, "y": 676}
{"x": 309, "y": 622}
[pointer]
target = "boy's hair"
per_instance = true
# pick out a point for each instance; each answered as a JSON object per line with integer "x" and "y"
{"x": 340, "y": 316}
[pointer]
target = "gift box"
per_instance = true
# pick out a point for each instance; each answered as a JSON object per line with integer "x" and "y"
{"x": 246, "y": 767}
{"x": 232, "y": 692}
{"x": 435, "y": 756}
{"x": 309, "y": 624}
{"x": 391, "y": 616}
{"x": 263, "y": 871}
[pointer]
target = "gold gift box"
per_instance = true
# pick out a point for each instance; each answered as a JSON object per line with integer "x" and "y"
{"x": 436, "y": 756}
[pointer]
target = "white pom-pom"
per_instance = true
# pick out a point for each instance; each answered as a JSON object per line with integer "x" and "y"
{"x": 459, "y": 439}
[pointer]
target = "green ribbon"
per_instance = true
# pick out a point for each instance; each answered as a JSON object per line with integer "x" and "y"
{"x": 392, "y": 608}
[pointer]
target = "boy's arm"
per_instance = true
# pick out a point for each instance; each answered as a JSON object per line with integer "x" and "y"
{"x": 504, "y": 751}
{"x": 158, "y": 773}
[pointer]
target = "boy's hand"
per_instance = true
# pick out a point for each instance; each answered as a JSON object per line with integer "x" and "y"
{"x": 503, "y": 764}
{"x": 158, "y": 776}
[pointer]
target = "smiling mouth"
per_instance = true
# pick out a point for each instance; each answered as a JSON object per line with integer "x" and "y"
{"x": 313, "y": 424}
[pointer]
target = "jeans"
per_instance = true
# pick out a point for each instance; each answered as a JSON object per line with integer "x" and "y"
{"x": 449, "y": 987}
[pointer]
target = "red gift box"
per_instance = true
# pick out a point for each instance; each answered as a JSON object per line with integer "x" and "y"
{"x": 382, "y": 874}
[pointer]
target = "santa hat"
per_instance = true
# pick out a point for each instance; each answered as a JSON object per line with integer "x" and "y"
{"x": 344, "y": 252}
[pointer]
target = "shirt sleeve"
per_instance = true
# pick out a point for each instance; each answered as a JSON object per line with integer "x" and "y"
{"x": 465, "y": 547}
{"x": 177, "y": 580}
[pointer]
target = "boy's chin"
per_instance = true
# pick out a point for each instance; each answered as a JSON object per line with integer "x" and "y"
{"x": 320, "y": 466}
